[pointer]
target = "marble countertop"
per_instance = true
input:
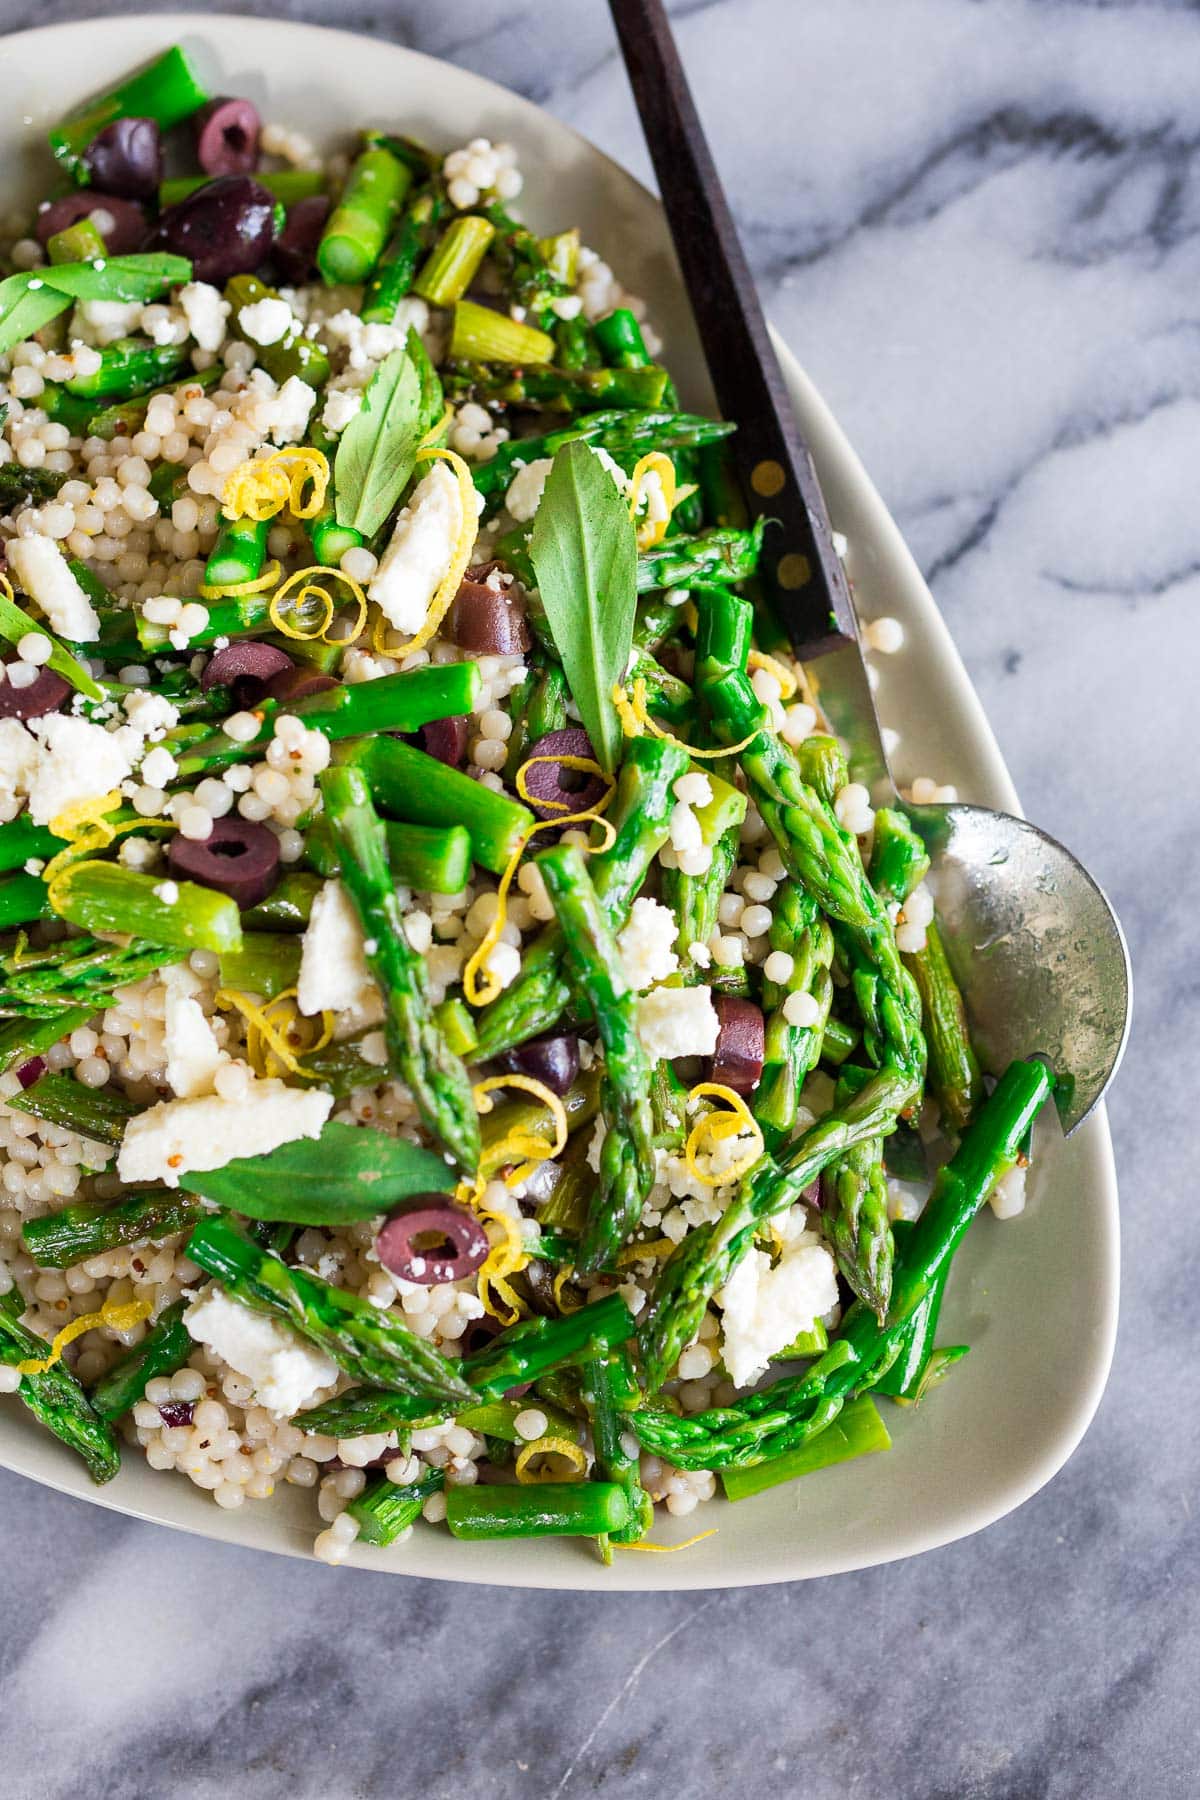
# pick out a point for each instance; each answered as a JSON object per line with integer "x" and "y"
{"x": 978, "y": 222}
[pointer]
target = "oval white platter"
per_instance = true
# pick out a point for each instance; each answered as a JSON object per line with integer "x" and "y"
{"x": 1036, "y": 1298}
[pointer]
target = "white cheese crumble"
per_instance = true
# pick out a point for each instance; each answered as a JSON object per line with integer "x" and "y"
{"x": 18, "y": 760}
{"x": 178, "y": 1136}
{"x": 678, "y": 1022}
{"x": 764, "y": 1309}
{"x": 420, "y": 550}
{"x": 77, "y": 761}
{"x": 266, "y": 321}
{"x": 341, "y": 405}
{"x": 647, "y": 944}
{"x": 334, "y": 976}
{"x": 150, "y": 714}
{"x": 525, "y": 489}
{"x": 42, "y": 570}
{"x": 193, "y": 1054}
{"x": 293, "y": 404}
{"x": 287, "y": 1373}
{"x": 206, "y": 313}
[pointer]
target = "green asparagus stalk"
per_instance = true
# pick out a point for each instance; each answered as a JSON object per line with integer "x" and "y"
{"x": 534, "y": 271}
{"x": 369, "y": 1344}
{"x": 239, "y": 552}
{"x": 954, "y": 1072}
{"x": 854, "y": 1212}
{"x": 80, "y": 972}
{"x": 100, "y": 1114}
{"x": 454, "y": 260}
{"x": 919, "y": 1366}
{"x": 791, "y": 1051}
{"x": 620, "y": 338}
{"x": 107, "y": 897}
{"x": 544, "y": 1509}
{"x": 384, "y": 1508}
{"x": 618, "y": 431}
{"x": 418, "y": 788}
{"x": 627, "y": 1152}
{"x": 899, "y": 860}
{"x": 268, "y": 963}
{"x": 293, "y": 354}
{"x": 90, "y": 1227}
{"x": 544, "y": 389}
{"x": 21, "y": 1039}
{"x": 22, "y": 900}
{"x": 166, "y": 91}
{"x": 80, "y": 242}
{"x": 481, "y": 336}
{"x": 165, "y": 1348}
{"x": 695, "y": 899}
{"x": 720, "y": 556}
{"x": 54, "y": 1397}
{"x": 288, "y": 907}
{"x": 359, "y": 225}
{"x": 538, "y": 707}
{"x": 822, "y": 764}
{"x": 858, "y": 1430}
{"x": 431, "y": 858}
{"x": 418, "y": 1053}
{"x": 397, "y": 267}
{"x": 287, "y": 185}
{"x": 790, "y": 1412}
{"x": 125, "y": 418}
{"x": 128, "y": 367}
{"x": 640, "y": 815}
{"x": 611, "y": 1393}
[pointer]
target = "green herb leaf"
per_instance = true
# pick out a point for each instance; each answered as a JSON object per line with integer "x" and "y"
{"x": 15, "y": 622}
{"x": 346, "y": 1174}
{"x": 432, "y": 396}
{"x": 584, "y": 554}
{"x": 378, "y": 447}
{"x": 119, "y": 277}
{"x": 26, "y": 304}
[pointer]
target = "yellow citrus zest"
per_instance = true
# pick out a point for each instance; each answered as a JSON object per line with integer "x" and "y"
{"x": 560, "y": 1447}
{"x": 669, "y": 1549}
{"x": 524, "y": 1143}
{"x": 715, "y": 1127}
{"x": 652, "y": 1248}
{"x": 309, "y": 592}
{"x": 558, "y": 1288}
{"x": 483, "y": 996}
{"x": 507, "y": 1257}
{"x": 436, "y": 429}
{"x": 86, "y": 827}
{"x": 269, "y": 1039}
{"x": 116, "y": 1317}
{"x": 464, "y": 543}
{"x": 652, "y": 531}
{"x": 583, "y": 765}
{"x": 263, "y": 486}
{"x": 234, "y": 590}
{"x": 635, "y": 718}
{"x": 758, "y": 659}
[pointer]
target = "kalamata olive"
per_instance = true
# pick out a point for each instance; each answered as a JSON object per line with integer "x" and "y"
{"x": 553, "y": 1060}
{"x": 445, "y": 739}
{"x": 295, "y": 252}
{"x": 239, "y": 858}
{"x": 31, "y": 1071}
{"x": 554, "y": 791}
{"x": 738, "y": 1059}
{"x": 297, "y": 683}
{"x": 490, "y": 621}
{"x": 126, "y": 158}
{"x": 45, "y": 694}
{"x": 811, "y": 1195}
{"x": 432, "y": 1240}
{"x": 478, "y": 1335}
{"x": 123, "y": 226}
{"x": 225, "y": 227}
{"x": 227, "y": 136}
{"x": 245, "y": 667}
{"x": 176, "y": 1412}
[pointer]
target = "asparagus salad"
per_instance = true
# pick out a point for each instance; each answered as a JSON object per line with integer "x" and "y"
{"x": 468, "y": 1047}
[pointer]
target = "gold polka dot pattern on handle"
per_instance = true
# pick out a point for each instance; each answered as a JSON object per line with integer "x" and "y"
{"x": 793, "y": 571}
{"x": 767, "y": 478}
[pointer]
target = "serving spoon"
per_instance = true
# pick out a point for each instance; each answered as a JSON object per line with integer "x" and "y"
{"x": 1036, "y": 947}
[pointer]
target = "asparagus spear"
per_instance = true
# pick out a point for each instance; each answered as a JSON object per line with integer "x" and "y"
{"x": 854, "y": 1213}
{"x": 454, "y": 260}
{"x": 107, "y": 897}
{"x": 367, "y": 1343}
{"x": 858, "y": 1430}
{"x": 394, "y": 272}
{"x": 533, "y": 383}
{"x": 417, "y": 787}
{"x": 899, "y": 860}
{"x": 610, "y": 1393}
{"x": 166, "y": 90}
{"x": 791, "y": 1051}
{"x": 165, "y": 1348}
{"x": 618, "y": 430}
{"x": 21, "y": 1039}
{"x": 538, "y": 707}
{"x": 384, "y": 1509}
{"x": 621, "y": 342}
{"x": 358, "y": 226}
{"x": 100, "y": 1114}
{"x": 54, "y": 1397}
{"x": 640, "y": 814}
{"x": 433, "y": 858}
{"x": 919, "y": 1366}
{"x": 125, "y": 417}
{"x": 627, "y": 1153}
{"x": 267, "y": 963}
{"x": 416, "y": 1048}
{"x": 711, "y": 556}
{"x": 790, "y": 1412}
{"x": 129, "y": 367}
{"x": 954, "y": 1072}
{"x": 22, "y": 900}
{"x": 89, "y": 1227}
{"x": 546, "y": 1509}
{"x": 292, "y": 354}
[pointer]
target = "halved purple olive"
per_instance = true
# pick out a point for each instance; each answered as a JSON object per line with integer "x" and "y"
{"x": 239, "y": 858}
{"x": 225, "y": 228}
{"x": 555, "y": 791}
{"x": 297, "y": 683}
{"x": 176, "y": 1412}
{"x": 446, "y": 740}
{"x": 245, "y": 667}
{"x": 126, "y": 234}
{"x": 126, "y": 158}
{"x": 741, "y": 1044}
{"x": 31, "y": 1071}
{"x": 227, "y": 136}
{"x": 552, "y": 1060}
{"x": 45, "y": 694}
{"x": 295, "y": 252}
{"x": 490, "y": 621}
{"x": 432, "y": 1240}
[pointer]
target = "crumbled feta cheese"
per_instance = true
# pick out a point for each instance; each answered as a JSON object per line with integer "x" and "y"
{"x": 647, "y": 944}
{"x": 76, "y": 761}
{"x": 42, "y": 570}
{"x": 420, "y": 550}
{"x": 341, "y": 405}
{"x": 159, "y": 767}
{"x": 150, "y": 714}
{"x": 525, "y": 489}
{"x": 678, "y": 1022}
{"x": 293, "y": 404}
{"x": 206, "y": 313}
{"x": 178, "y": 1136}
{"x": 18, "y": 760}
{"x": 266, "y": 321}
{"x": 193, "y": 1054}
{"x": 694, "y": 788}
{"x": 334, "y": 976}
{"x": 764, "y": 1309}
{"x": 287, "y": 1373}
{"x": 107, "y": 320}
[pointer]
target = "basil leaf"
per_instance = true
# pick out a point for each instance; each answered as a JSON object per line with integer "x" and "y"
{"x": 377, "y": 449}
{"x": 119, "y": 277}
{"x": 346, "y": 1174}
{"x": 584, "y": 554}
{"x": 15, "y": 622}
{"x": 26, "y": 304}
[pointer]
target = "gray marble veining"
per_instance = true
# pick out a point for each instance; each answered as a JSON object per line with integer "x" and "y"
{"x": 978, "y": 221}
